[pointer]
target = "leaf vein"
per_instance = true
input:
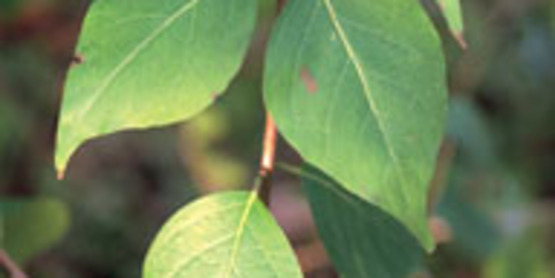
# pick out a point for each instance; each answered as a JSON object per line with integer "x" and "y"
{"x": 230, "y": 269}
{"x": 131, "y": 56}
{"x": 351, "y": 53}
{"x": 198, "y": 255}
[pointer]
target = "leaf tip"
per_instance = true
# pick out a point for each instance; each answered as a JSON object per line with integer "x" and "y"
{"x": 60, "y": 174}
{"x": 63, "y": 153}
{"x": 60, "y": 162}
{"x": 459, "y": 37}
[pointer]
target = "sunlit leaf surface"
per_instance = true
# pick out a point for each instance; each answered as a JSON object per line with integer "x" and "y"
{"x": 453, "y": 14}
{"x": 143, "y": 63}
{"x": 222, "y": 236}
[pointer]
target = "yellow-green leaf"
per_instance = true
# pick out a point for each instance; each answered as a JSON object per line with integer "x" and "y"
{"x": 144, "y": 63}
{"x": 453, "y": 15}
{"x": 222, "y": 236}
{"x": 30, "y": 226}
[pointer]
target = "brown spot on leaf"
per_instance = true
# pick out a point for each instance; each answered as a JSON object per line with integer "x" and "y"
{"x": 215, "y": 96}
{"x": 310, "y": 84}
{"x": 77, "y": 59}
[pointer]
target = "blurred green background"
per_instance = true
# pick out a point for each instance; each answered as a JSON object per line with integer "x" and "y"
{"x": 494, "y": 190}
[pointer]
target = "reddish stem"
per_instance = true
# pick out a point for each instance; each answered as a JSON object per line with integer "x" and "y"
{"x": 268, "y": 148}
{"x": 10, "y": 266}
{"x": 268, "y": 158}
{"x": 269, "y": 145}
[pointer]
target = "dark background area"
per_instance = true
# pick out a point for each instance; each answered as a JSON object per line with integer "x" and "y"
{"x": 494, "y": 188}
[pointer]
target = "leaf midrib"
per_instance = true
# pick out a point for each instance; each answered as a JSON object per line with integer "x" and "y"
{"x": 351, "y": 54}
{"x": 230, "y": 266}
{"x": 130, "y": 57}
{"x": 403, "y": 182}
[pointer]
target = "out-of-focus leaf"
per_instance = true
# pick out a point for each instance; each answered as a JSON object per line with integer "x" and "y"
{"x": 223, "y": 235}
{"x": 362, "y": 240}
{"x": 472, "y": 137}
{"x": 553, "y": 18}
{"x": 31, "y": 226}
{"x": 473, "y": 230}
{"x": 474, "y": 166}
{"x": 12, "y": 126}
{"x": 525, "y": 256}
{"x": 9, "y": 7}
{"x": 225, "y": 137}
{"x": 142, "y": 64}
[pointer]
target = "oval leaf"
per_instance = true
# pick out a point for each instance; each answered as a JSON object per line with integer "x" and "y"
{"x": 361, "y": 239}
{"x": 28, "y": 227}
{"x": 223, "y": 235}
{"x": 143, "y": 63}
{"x": 358, "y": 88}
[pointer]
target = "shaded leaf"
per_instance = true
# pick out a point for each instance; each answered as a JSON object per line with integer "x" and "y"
{"x": 474, "y": 232}
{"x": 31, "y": 226}
{"x": 362, "y": 240}
{"x": 223, "y": 235}
{"x": 471, "y": 182}
{"x": 376, "y": 120}
{"x": 143, "y": 63}
{"x": 468, "y": 129}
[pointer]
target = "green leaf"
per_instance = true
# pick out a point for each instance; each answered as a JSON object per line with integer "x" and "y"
{"x": 362, "y": 240}
{"x": 358, "y": 88}
{"x": 223, "y": 235}
{"x": 453, "y": 14}
{"x": 29, "y": 227}
{"x": 144, "y": 63}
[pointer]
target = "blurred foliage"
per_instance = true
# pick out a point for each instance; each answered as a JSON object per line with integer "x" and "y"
{"x": 225, "y": 137}
{"x": 497, "y": 198}
{"x": 501, "y": 129}
{"x": 525, "y": 256}
{"x": 476, "y": 243}
{"x": 30, "y": 226}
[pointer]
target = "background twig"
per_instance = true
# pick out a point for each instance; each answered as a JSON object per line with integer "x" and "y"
{"x": 9, "y": 265}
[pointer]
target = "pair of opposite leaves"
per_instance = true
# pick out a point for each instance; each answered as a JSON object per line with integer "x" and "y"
{"x": 373, "y": 124}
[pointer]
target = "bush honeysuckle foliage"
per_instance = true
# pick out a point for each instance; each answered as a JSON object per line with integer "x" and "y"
{"x": 357, "y": 87}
